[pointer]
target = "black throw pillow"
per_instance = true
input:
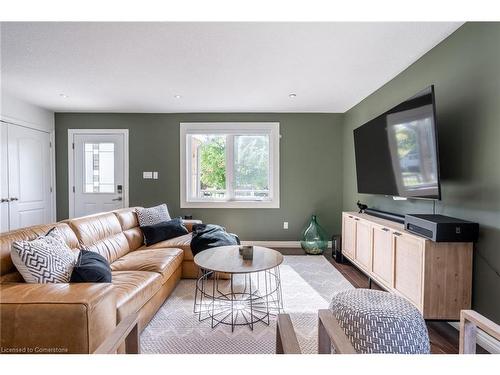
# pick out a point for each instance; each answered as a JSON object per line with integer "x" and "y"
{"x": 163, "y": 231}
{"x": 91, "y": 267}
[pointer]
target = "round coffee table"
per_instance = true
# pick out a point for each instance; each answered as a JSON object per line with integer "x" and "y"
{"x": 238, "y": 292}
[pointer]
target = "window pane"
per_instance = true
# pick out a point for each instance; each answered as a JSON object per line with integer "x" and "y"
{"x": 251, "y": 167}
{"x": 99, "y": 167}
{"x": 208, "y": 166}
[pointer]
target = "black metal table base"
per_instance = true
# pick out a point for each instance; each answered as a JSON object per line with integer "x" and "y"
{"x": 238, "y": 299}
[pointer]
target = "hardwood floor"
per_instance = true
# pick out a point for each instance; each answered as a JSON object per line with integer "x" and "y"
{"x": 443, "y": 337}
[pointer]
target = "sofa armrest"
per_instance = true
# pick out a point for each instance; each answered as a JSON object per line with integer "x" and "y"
{"x": 189, "y": 223}
{"x": 55, "y": 318}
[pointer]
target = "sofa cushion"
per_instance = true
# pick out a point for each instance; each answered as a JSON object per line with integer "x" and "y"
{"x": 101, "y": 233}
{"x": 133, "y": 289}
{"x": 127, "y": 217}
{"x": 181, "y": 242}
{"x": 162, "y": 261}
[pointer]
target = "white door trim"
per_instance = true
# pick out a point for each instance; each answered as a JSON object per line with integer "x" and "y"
{"x": 71, "y": 163}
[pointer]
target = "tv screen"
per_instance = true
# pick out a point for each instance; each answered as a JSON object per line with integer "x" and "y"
{"x": 396, "y": 153}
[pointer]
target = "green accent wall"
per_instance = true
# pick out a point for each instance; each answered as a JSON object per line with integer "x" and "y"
{"x": 465, "y": 69}
{"x": 310, "y": 168}
{"x": 317, "y": 167}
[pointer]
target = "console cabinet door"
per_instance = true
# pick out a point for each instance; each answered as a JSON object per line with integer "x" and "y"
{"x": 382, "y": 265}
{"x": 349, "y": 236}
{"x": 363, "y": 243}
{"x": 408, "y": 267}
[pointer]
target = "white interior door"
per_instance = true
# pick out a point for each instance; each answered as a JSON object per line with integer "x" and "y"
{"x": 98, "y": 173}
{"x": 4, "y": 180}
{"x": 29, "y": 176}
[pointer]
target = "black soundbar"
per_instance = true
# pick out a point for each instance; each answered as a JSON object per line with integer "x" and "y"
{"x": 385, "y": 215}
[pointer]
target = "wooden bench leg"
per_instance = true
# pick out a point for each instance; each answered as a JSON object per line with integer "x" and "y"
{"x": 127, "y": 331}
{"x": 470, "y": 322}
{"x": 330, "y": 333}
{"x": 324, "y": 342}
{"x": 132, "y": 342}
{"x": 286, "y": 340}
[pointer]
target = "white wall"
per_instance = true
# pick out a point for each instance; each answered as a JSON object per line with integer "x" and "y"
{"x": 15, "y": 110}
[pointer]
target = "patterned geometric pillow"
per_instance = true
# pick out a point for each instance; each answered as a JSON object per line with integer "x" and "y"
{"x": 153, "y": 215}
{"x": 46, "y": 259}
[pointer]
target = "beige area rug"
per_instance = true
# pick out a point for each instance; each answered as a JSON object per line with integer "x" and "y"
{"x": 308, "y": 283}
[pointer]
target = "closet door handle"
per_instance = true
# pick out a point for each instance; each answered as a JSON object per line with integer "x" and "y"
{"x": 4, "y": 200}
{"x": 14, "y": 199}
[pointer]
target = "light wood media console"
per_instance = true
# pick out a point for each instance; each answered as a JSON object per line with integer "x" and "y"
{"x": 435, "y": 276}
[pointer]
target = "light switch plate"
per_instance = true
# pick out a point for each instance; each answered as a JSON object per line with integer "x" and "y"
{"x": 285, "y": 225}
{"x": 147, "y": 175}
{"x": 155, "y": 175}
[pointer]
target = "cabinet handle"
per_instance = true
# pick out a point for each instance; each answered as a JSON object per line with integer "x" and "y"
{"x": 350, "y": 216}
{"x": 14, "y": 199}
{"x": 4, "y": 200}
{"x": 357, "y": 219}
{"x": 385, "y": 229}
{"x": 397, "y": 234}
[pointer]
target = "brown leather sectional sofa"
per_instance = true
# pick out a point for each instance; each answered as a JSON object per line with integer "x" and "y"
{"x": 76, "y": 318}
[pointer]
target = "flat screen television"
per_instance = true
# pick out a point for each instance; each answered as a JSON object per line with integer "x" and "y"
{"x": 397, "y": 152}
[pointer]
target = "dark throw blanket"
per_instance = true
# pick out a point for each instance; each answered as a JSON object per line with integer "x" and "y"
{"x": 207, "y": 236}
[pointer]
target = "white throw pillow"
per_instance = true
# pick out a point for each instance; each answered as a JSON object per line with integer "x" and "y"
{"x": 153, "y": 215}
{"x": 46, "y": 259}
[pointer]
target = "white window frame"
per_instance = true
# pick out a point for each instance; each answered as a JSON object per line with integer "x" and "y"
{"x": 235, "y": 128}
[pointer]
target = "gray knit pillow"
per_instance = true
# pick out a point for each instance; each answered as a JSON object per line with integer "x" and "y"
{"x": 153, "y": 215}
{"x": 46, "y": 259}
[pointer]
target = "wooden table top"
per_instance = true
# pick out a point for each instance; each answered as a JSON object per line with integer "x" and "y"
{"x": 227, "y": 259}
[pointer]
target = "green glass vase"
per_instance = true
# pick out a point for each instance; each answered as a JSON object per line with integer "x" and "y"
{"x": 314, "y": 240}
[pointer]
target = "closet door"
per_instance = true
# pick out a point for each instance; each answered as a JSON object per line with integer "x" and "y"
{"x": 29, "y": 177}
{"x": 4, "y": 180}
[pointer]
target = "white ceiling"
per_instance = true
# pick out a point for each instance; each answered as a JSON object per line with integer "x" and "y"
{"x": 215, "y": 67}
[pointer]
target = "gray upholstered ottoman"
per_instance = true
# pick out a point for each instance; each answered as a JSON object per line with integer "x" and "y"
{"x": 380, "y": 322}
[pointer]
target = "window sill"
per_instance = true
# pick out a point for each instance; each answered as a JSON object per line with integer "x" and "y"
{"x": 232, "y": 204}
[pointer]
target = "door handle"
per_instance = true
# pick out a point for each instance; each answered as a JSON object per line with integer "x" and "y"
{"x": 4, "y": 200}
{"x": 14, "y": 199}
{"x": 117, "y": 199}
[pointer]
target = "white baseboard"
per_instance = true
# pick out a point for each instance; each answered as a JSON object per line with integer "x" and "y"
{"x": 484, "y": 340}
{"x": 278, "y": 244}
